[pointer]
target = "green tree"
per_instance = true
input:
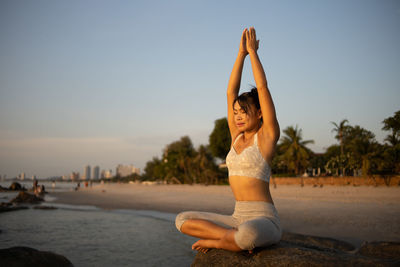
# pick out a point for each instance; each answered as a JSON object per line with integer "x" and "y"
{"x": 154, "y": 170}
{"x": 332, "y": 151}
{"x": 177, "y": 160}
{"x": 392, "y": 124}
{"x": 204, "y": 168}
{"x": 391, "y": 153}
{"x": 296, "y": 154}
{"x": 220, "y": 139}
{"x": 363, "y": 149}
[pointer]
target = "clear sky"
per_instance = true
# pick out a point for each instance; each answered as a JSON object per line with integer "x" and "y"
{"x": 109, "y": 82}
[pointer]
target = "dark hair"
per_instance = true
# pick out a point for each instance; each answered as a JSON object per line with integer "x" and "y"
{"x": 247, "y": 99}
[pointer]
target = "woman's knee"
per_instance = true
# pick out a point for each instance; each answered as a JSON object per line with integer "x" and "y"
{"x": 257, "y": 233}
{"x": 180, "y": 219}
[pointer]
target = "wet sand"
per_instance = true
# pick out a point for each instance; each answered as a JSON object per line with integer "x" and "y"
{"x": 353, "y": 214}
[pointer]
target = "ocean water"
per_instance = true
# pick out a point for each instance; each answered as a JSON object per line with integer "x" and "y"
{"x": 89, "y": 236}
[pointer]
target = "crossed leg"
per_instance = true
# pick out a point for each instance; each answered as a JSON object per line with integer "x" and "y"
{"x": 211, "y": 235}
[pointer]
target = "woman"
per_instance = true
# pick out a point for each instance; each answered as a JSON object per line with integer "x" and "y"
{"x": 255, "y": 131}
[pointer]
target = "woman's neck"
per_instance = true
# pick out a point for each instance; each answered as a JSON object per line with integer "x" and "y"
{"x": 249, "y": 134}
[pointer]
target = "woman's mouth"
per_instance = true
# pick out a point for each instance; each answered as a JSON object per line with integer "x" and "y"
{"x": 240, "y": 124}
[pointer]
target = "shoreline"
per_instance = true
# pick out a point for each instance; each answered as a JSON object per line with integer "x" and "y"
{"x": 352, "y": 214}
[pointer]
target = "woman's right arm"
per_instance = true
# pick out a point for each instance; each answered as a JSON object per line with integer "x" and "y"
{"x": 234, "y": 84}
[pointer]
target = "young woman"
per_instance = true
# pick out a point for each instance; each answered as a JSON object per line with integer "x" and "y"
{"x": 255, "y": 131}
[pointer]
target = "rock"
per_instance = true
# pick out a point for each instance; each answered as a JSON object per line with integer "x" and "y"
{"x": 45, "y": 208}
{"x": 9, "y": 207}
{"x": 24, "y": 256}
{"x": 316, "y": 242}
{"x": 24, "y": 197}
{"x": 380, "y": 250}
{"x": 297, "y": 250}
{"x": 3, "y": 189}
{"x": 15, "y": 186}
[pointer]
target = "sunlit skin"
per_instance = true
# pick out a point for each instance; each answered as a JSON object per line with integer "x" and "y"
{"x": 244, "y": 188}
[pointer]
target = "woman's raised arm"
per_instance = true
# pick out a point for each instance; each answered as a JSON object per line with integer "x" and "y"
{"x": 234, "y": 83}
{"x": 270, "y": 123}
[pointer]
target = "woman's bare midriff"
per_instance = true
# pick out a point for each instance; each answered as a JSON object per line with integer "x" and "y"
{"x": 250, "y": 189}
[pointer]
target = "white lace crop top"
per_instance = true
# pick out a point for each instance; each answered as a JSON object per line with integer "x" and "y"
{"x": 249, "y": 162}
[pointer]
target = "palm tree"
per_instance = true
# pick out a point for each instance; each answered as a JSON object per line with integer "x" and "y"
{"x": 296, "y": 153}
{"x": 340, "y": 130}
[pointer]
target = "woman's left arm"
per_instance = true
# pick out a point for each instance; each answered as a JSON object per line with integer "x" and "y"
{"x": 270, "y": 123}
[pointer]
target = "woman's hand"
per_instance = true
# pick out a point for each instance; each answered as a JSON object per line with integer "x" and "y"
{"x": 251, "y": 40}
{"x": 242, "y": 47}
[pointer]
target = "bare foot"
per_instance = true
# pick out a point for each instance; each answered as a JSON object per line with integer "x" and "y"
{"x": 204, "y": 245}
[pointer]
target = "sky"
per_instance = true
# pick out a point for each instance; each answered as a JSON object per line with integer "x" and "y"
{"x": 113, "y": 82}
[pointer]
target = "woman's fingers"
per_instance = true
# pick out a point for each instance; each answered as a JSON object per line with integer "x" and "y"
{"x": 251, "y": 39}
{"x": 244, "y": 36}
{"x": 244, "y": 32}
{"x": 252, "y": 33}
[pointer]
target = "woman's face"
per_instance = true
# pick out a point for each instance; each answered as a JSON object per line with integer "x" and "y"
{"x": 246, "y": 121}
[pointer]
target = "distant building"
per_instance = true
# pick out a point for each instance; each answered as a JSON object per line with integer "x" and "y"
{"x": 75, "y": 176}
{"x": 106, "y": 174}
{"x": 96, "y": 172}
{"x": 22, "y": 176}
{"x": 126, "y": 170}
{"x": 87, "y": 173}
{"x": 33, "y": 177}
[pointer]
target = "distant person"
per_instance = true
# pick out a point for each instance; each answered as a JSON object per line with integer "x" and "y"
{"x": 40, "y": 190}
{"x": 255, "y": 131}
{"x": 35, "y": 186}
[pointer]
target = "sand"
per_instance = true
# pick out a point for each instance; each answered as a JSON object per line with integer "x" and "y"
{"x": 353, "y": 214}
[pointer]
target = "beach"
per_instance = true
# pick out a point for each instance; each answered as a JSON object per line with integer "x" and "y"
{"x": 352, "y": 214}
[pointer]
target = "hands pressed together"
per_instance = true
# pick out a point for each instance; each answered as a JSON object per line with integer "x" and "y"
{"x": 249, "y": 42}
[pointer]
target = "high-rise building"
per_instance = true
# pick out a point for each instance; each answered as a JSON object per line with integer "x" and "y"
{"x": 87, "y": 172}
{"x": 22, "y": 176}
{"x": 96, "y": 172}
{"x": 75, "y": 176}
{"x": 106, "y": 174}
{"x": 126, "y": 170}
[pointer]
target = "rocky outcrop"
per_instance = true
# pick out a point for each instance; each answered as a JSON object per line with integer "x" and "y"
{"x": 24, "y": 256}
{"x": 16, "y": 187}
{"x": 10, "y": 207}
{"x": 316, "y": 242}
{"x": 380, "y": 250}
{"x": 301, "y": 250}
{"x": 44, "y": 208}
{"x": 24, "y": 197}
